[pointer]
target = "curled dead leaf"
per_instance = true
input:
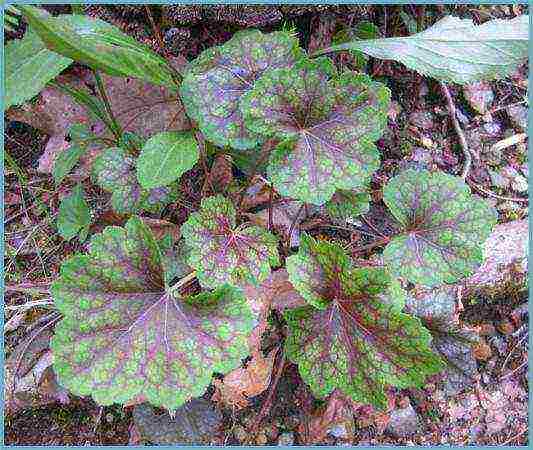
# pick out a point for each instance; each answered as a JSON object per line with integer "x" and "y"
{"x": 245, "y": 382}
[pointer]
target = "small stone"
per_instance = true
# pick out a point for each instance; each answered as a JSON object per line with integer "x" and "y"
{"x": 498, "y": 180}
{"x": 518, "y": 116}
{"x": 394, "y": 110}
{"x": 403, "y": 422}
{"x": 286, "y": 439}
{"x": 492, "y": 129}
{"x": 422, "y": 119}
{"x": 519, "y": 184}
{"x": 487, "y": 329}
{"x": 506, "y": 327}
{"x": 176, "y": 39}
{"x": 338, "y": 431}
{"x": 240, "y": 433}
{"x": 479, "y": 95}
{"x": 109, "y": 418}
{"x": 194, "y": 423}
{"x": 482, "y": 351}
{"x": 261, "y": 438}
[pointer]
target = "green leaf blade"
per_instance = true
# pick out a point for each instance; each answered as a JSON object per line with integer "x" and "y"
{"x": 353, "y": 336}
{"x": 29, "y": 66}
{"x": 223, "y": 253}
{"x": 74, "y": 217}
{"x": 165, "y": 157}
{"x": 215, "y": 82}
{"x": 327, "y": 127}
{"x": 124, "y": 338}
{"x": 455, "y": 50}
{"x": 443, "y": 227}
{"x": 99, "y": 45}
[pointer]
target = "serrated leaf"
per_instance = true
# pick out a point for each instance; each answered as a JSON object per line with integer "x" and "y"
{"x": 354, "y": 336}
{"x": 216, "y": 81}
{"x": 99, "y": 45}
{"x": 222, "y": 252}
{"x": 66, "y": 160}
{"x": 442, "y": 227}
{"x": 29, "y": 66}
{"x": 327, "y": 127}
{"x": 454, "y": 49}
{"x": 124, "y": 337}
{"x": 345, "y": 206}
{"x": 165, "y": 157}
{"x": 74, "y": 217}
{"x": 114, "y": 171}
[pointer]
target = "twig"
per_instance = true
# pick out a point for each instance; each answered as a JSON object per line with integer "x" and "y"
{"x": 270, "y": 194}
{"x": 499, "y": 197}
{"x": 364, "y": 248}
{"x": 462, "y": 140}
{"x": 293, "y": 223}
{"x": 514, "y": 437}
{"x": 268, "y": 401}
{"x": 117, "y": 130}
{"x": 508, "y": 357}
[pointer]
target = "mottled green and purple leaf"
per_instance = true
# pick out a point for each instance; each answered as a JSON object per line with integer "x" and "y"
{"x": 354, "y": 335}
{"x": 327, "y": 125}
{"x": 126, "y": 337}
{"x": 222, "y": 252}
{"x": 443, "y": 227}
{"x": 216, "y": 81}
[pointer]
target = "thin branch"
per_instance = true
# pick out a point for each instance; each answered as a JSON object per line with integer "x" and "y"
{"x": 462, "y": 140}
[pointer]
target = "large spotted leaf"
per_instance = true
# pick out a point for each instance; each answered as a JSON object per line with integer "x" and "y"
{"x": 115, "y": 171}
{"x": 126, "y": 337}
{"x": 327, "y": 126}
{"x": 353, "y": 336}
{"x": 216, "y": 81}
{"x": 443, "y": 227}
{"x": 222, "y": 252}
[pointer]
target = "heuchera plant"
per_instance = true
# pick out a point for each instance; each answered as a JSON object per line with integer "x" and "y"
{"x": 129, "y": 335}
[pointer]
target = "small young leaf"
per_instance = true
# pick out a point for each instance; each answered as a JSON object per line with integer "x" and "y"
{"x": 221, "y": 252}
{"x": 347, "y": 205}
{"x": 455, "y": 49}
{"x": 114, "y": 171}
{"x": 443, "y": 227}
{"x": 124, "y": 337}
{"x": 216, "y": 81}
{"x": 65, "y": 161}
{"x": 354, "y": 336}
{"x": 29, "y": 66}
{"x": 74, "y": 216}
{"x": 100, "y": 45}
{"x": 165, "y": 157}
{"x": 327, "y": 127}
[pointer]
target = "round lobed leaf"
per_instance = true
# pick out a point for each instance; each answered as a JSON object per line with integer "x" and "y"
{"x": 215, "y": 82}
{"x": 221, "y": 252}
{"x": 123, "y": 337}
{"x": 443, "y": 227}
{"x": 357, "y": 340}
{"x": 327, "y": 126}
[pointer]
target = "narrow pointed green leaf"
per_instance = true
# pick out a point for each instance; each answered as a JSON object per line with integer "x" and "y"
{"x": 443, "y": 227}
{"x": 99, "y": 45}
{"x": 221, "y": 252}
{"x": 74, "y": 217}
{"x": 124, "y": 337}
{"x": 455, "y": 50}
{"x": 29, "y": 66}
{"x": 354, "y": 336}
{"x": 165, "y": 157}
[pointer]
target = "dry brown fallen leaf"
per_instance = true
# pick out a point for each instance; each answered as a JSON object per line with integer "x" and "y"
{"x": 139, "y": 107}
{"x": 160, "y": 228}
{"x": 220, "y": 176}
{"x": 335, "y": 417}
{"x": 29, "y": 377}
{"x": 245, "y": 382}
